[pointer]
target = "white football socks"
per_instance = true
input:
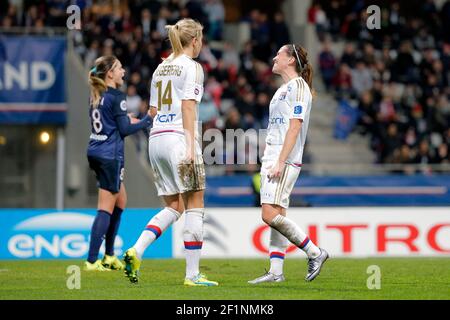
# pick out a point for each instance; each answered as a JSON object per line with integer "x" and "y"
{"x": 277, "y": 251}
{"x": 193, "y": 240}
{"x": 155, "y": 227}
{"x": 294, "y": 234}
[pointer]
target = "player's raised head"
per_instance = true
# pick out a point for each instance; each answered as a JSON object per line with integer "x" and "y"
{"x": 186, "y": 33}
{"x": 293, "y": 56}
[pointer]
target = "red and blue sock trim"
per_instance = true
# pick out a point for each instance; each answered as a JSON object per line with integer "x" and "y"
{"x": 193, "y": 245}
{"x": 304, "y": 243}
{"x": 155, "y": 229}
{"x": 276, "y": 254}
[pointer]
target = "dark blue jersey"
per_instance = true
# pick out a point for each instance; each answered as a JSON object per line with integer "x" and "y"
{"x": 110, "y": 125}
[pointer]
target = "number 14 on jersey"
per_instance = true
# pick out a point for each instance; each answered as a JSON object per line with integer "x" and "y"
{"x": 165, "y": 98}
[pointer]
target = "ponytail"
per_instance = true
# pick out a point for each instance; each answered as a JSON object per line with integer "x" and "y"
{"x": 174, "y": 37}
{"x": 98, "y": 87}
{"x": 97, "y": 77}
{"x": 307, "y": 75}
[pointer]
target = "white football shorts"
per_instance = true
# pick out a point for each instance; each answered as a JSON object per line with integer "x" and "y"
{"x": 278, "y": 191}
{"x": 167, "y": 150}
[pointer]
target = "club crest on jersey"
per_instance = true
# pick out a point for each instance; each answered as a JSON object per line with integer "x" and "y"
{"x": 196, "y": 91}
{"x": 289, "y": 88}
{"x": 283, "y": 96}
{"x": 298, "y": 109}
{"x": 123, "y": 105}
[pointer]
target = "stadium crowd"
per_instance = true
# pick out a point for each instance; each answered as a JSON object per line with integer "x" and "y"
{"x": 396, "y": 76}
{"x": 238, "y": 85}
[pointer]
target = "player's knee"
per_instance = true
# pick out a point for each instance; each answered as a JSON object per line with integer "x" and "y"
{"x": 176, "y": 211}
{"x": 266, "y": 216}
{"x": 122, "y": 201}
{"x": 267, "y": 219}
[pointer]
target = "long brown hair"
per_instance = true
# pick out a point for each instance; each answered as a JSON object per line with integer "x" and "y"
{"x": 303, "y": 67}
{"x": 182, "y": 33}
{"x": 97, "y": 77}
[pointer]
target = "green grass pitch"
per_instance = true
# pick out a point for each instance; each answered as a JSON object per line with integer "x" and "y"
{"x": 401, "y": 278}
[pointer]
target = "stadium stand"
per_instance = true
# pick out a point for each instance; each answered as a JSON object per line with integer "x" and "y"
{"x": 236, "y": 80}
{"x": 382, "y": 101}
{"x": 397, "y": 76}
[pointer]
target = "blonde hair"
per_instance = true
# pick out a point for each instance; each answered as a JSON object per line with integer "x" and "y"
{"x": 181, "y": 35}
{"x": 97, "y": 77}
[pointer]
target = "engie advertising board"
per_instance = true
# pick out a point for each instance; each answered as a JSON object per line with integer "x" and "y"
{"x": 50, "y": 234}
{"x": 234, "y": 232}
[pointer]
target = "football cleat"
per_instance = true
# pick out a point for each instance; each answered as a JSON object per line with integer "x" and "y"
{"x": 112, "y": 262}
{"x": 268, "y": 277}
{"x": 315, "y": 265}
{"x": 200, "y": 281}
{"x": 96, "y": 266}
{"x": 132, "y": 265}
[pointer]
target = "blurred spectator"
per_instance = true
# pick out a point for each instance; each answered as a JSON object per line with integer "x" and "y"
{"x": 423, "y": 156}
{"x": 404, "y": 65}
{"x": 361, "y": 78}
{"x": 349, "y": 55}
{"x": 280, "y": 31}
{"x": 216, "y": 17}
{"x": 391, "y": 142}
{"x": 57, "y": 13}
{"x": 147, "y": 23}
{"x": 342, "y": 81}
{"x": 327, "y": 64}
{"x": 318, "y": 17}
{"x": 133, "y": 101}
{"x": 230, "y": 57}
{"x": 164, "y": 19}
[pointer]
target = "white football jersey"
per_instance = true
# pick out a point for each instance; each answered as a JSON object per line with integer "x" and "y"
{"x": 292, "y": 100}
{"x": 175, "y": 80}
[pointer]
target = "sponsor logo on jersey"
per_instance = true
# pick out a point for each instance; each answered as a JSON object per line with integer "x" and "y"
{"x": 277, "y": 120}
{"x": 98, "y": 137}
{"x": 282, "y": 96}
{"x": 123, "y": 105}
{"x": 165, "y": 118}
{"x": 298, "y": 109}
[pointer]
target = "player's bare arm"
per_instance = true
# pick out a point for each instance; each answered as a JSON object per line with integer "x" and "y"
{"x": 295, "y": 126}
{"x": 188, "y": 112}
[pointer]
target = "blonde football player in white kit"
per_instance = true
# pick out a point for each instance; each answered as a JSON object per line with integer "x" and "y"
{"x": 174, "y": 151}
{"x": 289, "y": 114}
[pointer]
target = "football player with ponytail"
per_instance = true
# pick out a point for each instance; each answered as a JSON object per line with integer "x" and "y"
{"x": 289, "y": 114}
{"x": 176, "y": 156}
{"x": 110, "y": 124}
